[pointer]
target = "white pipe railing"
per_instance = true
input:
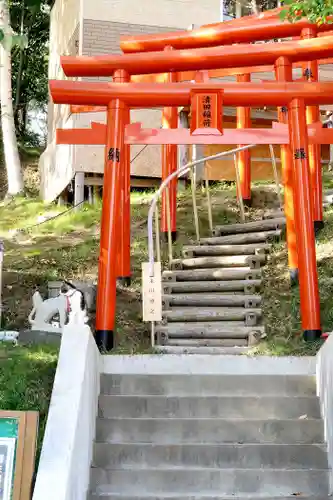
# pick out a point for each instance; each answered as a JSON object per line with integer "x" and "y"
{"x": 178, "y": 173}
{"x": 239, "y": 190}
{"x": 276, "y": 175}
{"x": 193, "y": 175}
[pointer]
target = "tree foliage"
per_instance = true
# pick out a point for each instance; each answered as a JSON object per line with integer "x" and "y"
{"x": 316, "y": 11}
{"x": 29, "y": 45}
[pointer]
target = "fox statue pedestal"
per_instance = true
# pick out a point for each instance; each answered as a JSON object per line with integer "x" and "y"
{"x": 48, "y": 317}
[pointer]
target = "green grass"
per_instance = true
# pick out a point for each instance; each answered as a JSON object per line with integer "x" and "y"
{"x": 67, "y": 247}
{"x": 26, "y": 379}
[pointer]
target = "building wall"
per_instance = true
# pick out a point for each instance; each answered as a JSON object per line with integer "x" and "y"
{"x": 103, "y": 37}
{"x": 57, "y": 163}
{"x": 104, "y": 22}
{"x": 176, "y": 13}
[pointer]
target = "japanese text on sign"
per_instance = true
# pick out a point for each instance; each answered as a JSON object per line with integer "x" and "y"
{"x": 151, "y": 292}
{"x": 206, "y": 110}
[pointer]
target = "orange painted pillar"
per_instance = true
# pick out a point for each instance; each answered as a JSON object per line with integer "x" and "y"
{"x": 169, "y": 165}
{"x": 310, "y": 74}
{"x": 308, "y": 278}
{"x": 124, "y": 254}
{"x": 109, "y": 240}
{"x": 283, "y": 73}
{"x": 244, "y": 157}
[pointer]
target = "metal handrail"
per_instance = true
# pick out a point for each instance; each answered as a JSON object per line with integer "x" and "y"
{"x": 178, "y": 173}
{"x": 239, "y": 190}
{"x": 276, "y": 175}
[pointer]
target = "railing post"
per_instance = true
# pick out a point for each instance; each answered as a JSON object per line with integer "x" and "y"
{"x": 308, "y": 278}
{"x": 283, "y": 72}
{"x": 276, "y": 175}
{"x": 109, "y": 240}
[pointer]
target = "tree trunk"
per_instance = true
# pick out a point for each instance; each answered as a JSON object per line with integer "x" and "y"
{"x": 20, "y": 69}
{"x": 12, "y": 159}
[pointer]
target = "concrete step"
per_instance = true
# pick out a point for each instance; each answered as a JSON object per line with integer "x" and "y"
{"x": 243, "y": 239}
{"x": 246, "y": 286}
{"x": 250, "y": 249}
{"x": 251, "y": 261}
{"x": 250, "y": 227}
{"x": 211, "y": 430}
{"x": 213, "y": 456}
{"x": 208, "y": 385}
{"x": 213, "y": 329}
{"x": 218, "y": 351}
{"x": 236, "y": 273}
{"x": 267, "y": 407}
{"x": 250, "y": 316}
{"x": 254, "y": 483}
{"x": 210, "y": 299}
{"x": 177, "y": 496}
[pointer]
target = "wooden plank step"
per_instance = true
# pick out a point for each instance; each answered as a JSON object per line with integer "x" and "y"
{"x": 250, "y": 316}
{"x": 246, "y": 286}
{"x": 242, "y": 239}
{"x": 249, "y": 227}
{"x": 251, "y": 261}
{"x": 210, "y": 299}
{"x": 274, "y": 214}
{"x": 236, "y": 273}
{"x": 212, "y": 329}
{"x": 249, "y": 249}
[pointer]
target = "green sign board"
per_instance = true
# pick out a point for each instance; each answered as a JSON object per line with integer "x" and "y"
{"x": 8, "y": 443}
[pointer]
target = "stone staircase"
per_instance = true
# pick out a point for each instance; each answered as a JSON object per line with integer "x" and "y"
{"x": 211, "y": 302}
{"x": 181, "y": 435}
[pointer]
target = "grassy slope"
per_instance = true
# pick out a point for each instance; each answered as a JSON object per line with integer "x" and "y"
{"x": 67, "y": 247}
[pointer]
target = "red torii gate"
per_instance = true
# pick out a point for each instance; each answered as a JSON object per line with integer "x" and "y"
{"x": 281, "y": 55}
{"x": 119, "y": 97}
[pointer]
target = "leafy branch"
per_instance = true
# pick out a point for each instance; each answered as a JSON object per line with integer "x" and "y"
{"x": 316, "y": 11}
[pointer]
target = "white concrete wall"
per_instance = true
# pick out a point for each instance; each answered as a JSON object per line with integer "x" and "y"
{"x": 177, "y": 13}
{"x": 57, "y": 163}
{"x": 325, "y": 393}
{"x": 64, "y": 467}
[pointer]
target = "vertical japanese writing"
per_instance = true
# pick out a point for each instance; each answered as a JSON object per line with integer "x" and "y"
{"x": 114, "y": 154}
{"x": 207, "y": 111}
{"x": 300, "y": 154}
